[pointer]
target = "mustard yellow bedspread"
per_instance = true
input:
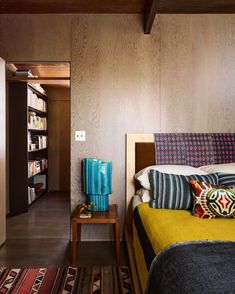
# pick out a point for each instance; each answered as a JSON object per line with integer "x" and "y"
{"x": 167, "y": 226}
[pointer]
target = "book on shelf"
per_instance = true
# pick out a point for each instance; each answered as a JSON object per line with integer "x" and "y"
{"x": 39, "y": 88}
{"x": 29, "y": 141}
{"x": 36, "y": 166}
{"x": 43, "y": 163}
{"x": 36, "y": 142}
{"x": 38, "y": 185}
{"x": 31, "y": 195}
{"x": 43, "y": 141}
{"x": 36, "y": 122}
{"x": 31, "y": 168}
{"x": 23, "y": 73}
{"x": 35, "y": 102}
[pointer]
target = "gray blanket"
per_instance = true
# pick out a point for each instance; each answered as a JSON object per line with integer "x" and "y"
{"x": 206, "y": 267}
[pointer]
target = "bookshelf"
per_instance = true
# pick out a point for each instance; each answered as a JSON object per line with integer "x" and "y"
{"x": 28, "y": 139}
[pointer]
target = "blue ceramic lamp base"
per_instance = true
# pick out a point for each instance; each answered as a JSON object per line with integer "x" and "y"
{"x": 98, "y": 202}
{"x": 98, "y": 183}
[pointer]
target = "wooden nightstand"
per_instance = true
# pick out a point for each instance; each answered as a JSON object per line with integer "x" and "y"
{"x": 99, "y": 217}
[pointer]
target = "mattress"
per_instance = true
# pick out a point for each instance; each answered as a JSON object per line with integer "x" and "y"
{"x": 156, "y": 229}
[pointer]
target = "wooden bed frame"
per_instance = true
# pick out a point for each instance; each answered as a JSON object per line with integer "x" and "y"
{"x": 140, "y": 152}
{"x": 134, "y": 152}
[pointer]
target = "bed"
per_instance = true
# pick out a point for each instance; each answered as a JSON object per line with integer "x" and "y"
{"x": 159, "y": 240}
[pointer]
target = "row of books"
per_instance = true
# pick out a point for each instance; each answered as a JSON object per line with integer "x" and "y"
{"x": 37, "y": 166}
{"x": 36, "y": 102}
{"x": 38, "y": 185}
{"x": 36, "y": 142}
{"x": 31, "y": 195}
{"x": 36, "y": 122}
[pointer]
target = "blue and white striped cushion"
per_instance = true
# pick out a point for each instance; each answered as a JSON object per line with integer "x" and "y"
{"x": 226, "y": 179}
{"x": 173, "y": 191}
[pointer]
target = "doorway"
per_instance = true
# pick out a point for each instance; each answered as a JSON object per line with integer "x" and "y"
{"x": 46, "y": 219}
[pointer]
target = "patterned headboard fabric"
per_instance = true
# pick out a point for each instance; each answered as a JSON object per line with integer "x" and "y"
{"x": 195, "y": 149}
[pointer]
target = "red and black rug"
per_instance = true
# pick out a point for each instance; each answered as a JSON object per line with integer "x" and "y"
{"x": 87, "y": 280}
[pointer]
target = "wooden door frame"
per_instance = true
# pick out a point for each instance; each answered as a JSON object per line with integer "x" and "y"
{"x": 6, "y": 126}
{"x": 3, "y": 171}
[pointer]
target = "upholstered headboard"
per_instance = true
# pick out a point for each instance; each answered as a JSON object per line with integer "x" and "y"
{"x": 195, "y": 149}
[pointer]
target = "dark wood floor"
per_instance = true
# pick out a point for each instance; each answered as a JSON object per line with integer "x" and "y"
{"x": 41, "y": 237}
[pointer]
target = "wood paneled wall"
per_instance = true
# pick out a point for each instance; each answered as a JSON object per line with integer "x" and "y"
{"x": 58, "y": 138}
{"x": 118, "y": 94}
{"x": 2, "y": 153}
{"x": 180, "y": 78}
{"x": 35, "y": 37}
{"x": 197, "y": 73}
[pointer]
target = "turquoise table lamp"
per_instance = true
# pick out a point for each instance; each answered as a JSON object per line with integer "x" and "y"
{"x": 97, "y": 183}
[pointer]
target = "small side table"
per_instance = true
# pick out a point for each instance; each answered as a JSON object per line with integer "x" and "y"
{"x": 98, "y": 217}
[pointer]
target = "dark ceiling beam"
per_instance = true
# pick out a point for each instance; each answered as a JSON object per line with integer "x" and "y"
{"x": 72, "y": 6}
{"x": 151, "y": 9}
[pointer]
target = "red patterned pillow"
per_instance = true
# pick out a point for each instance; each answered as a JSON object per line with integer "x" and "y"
{"x": 212, "y": 201}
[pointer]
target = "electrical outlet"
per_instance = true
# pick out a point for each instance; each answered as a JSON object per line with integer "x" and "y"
{"x": 80, "y": 135}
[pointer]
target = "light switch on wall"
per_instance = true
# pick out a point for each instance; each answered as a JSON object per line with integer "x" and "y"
{"x": 80, "y": 135}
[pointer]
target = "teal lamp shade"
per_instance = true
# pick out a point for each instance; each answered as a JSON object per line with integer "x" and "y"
{"x": 98, "y": 182}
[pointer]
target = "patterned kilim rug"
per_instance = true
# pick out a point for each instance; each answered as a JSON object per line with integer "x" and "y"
{"x": 79, "y": 280}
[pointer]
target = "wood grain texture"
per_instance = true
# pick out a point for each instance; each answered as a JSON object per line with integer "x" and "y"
{"x": 45, "y": 232}
{"x": 2, "y": 152}
{"x": 131, "y": 139}
{"x": 51, "y": 70}
{"x": 58, "y": 138}
{"x": 17, "y": 147}
{"x": 180, "y": 78}
{"x": 197, "y": 70}
{"x": 99, "y": 217}
{"x": 115, "y": 81}
{"x": 35, "y": 38}
{"x": 57, "y": 73}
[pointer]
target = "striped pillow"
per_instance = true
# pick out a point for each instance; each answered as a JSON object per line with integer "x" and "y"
{"x": 173, "y": 191}
{"x": 226, "y": 179}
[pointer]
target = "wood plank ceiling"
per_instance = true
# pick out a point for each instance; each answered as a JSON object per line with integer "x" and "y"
{"x": 147, "y": 7}
{"x": 49, "y": 74}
